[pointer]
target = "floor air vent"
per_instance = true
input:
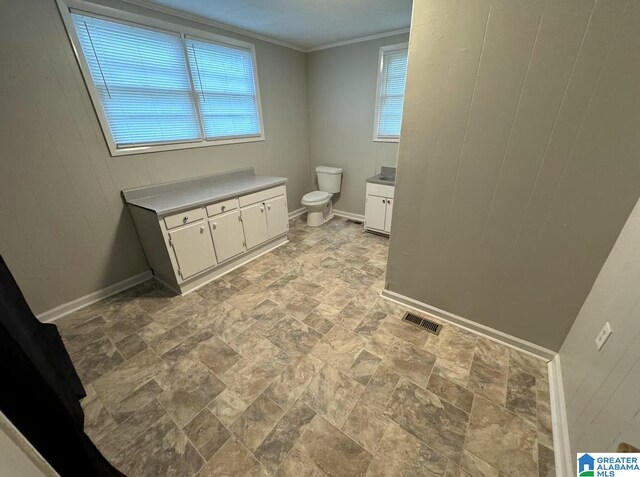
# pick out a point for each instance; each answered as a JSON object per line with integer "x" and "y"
{"x": 428, "y": 325}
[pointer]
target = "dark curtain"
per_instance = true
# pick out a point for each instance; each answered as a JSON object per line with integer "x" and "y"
{"x": 41, "y": 390}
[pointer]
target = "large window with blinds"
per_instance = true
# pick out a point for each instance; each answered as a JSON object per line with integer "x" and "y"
{"x": 160, "y": 89}
{"x": 392, "y": 72}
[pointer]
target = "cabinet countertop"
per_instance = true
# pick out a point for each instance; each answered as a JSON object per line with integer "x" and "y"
{"x": 173, "y": 197}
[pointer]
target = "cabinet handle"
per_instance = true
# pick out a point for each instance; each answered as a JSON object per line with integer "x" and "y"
{"x": 201, "y": 229}
{"x": 268, "y": 207}
{"x": 222, "y": 208}
{"x": 185, "y": 219}
{"x": 388, "y": 201}
{"x": 262, "y": 209}
{"x": 384, "y": 201}
{"x": 214, "y": 225}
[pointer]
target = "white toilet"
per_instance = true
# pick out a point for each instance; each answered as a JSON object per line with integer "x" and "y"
{"x": 318, "y": 203}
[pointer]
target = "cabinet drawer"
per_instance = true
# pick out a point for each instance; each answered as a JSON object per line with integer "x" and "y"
{"x": 220, "y": 207}
{"x": 380, "y": 190}
{"x": 182, "y": 218}
{"x": 261, "y": 195}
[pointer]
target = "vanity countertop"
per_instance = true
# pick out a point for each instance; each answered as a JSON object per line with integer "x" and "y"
{"x": 175, "y": 196}
{"x": 387, "y": 176}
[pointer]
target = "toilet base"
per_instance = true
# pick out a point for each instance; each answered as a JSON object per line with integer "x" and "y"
{"x": 317, "y": 216}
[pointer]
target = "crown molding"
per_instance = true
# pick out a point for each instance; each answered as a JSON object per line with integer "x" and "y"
{"x": 223, "y": 26}
{"x": 211, "y": 23}
{"x": 357, "y": 40}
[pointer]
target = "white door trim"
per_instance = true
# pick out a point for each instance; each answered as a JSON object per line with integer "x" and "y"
{"x": 561, "y": 444}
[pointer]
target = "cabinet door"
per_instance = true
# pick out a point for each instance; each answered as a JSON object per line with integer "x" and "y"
{"x": 387, "y": 219}
{"x": 277, "y": 216}
{"x": 254, "y": 223}
{"x": 228, "y": 238}
{"x": 374, "y": 212}
{"x": 193, "y": 249}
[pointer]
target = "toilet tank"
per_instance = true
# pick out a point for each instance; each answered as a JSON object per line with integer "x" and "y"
{"x": 329, "y": 178}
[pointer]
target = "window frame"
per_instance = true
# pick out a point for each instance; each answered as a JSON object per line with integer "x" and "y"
{"x": 381, "y": 53}
{"x": 108, "y": 13}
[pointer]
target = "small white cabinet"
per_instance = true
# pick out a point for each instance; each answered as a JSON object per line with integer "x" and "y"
{"x": 254, "y": 223}
{"x": 228, "y": 238}
{"x": 192, "y": 249}
{"x": 277, "y": 216}
{"x": 378, "y": 208}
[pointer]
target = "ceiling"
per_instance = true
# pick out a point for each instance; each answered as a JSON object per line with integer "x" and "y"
{"x": 304, "y": 24}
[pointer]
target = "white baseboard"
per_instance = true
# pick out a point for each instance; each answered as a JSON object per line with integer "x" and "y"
{"x": 73, "y": 305}
{"x": 477, "y": 328}
{"x": 349, "y": 215}
{"x": 297, "y": 213}
{"x": 561, "y": 444}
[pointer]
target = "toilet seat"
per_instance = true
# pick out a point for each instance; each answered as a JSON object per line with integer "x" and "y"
{"x": 316, "y": 196}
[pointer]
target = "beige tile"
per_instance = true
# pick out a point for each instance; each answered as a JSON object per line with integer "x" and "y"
{"x": 487, "y": 382}
{"x": 379, "y": 390}
{"x": 364, "y": 367}
{"x": 115, "y": 386}
{"x": 131, "y": 345}
{"x": 339, "y": 348}
{"x": 400, "y": 453}
{"x": 410, "y": 362}
{"x": 502, "y": 439}
{"x": 332, "y": 451}
{"x": 178, "y": 456}
{"x": 275, "y": 447}
{"x": 190, "y": 386}
{"x": 546, "y": 462}
{"x": 474, "y": 465}
{"x": 521, "y": 395}
{"x": 297, "y": 465}
{"x": 253, "y": 425}
{"x": 286, "y": 388}
{"x": 217, "y": 355}
{"x": 292, "y": 336}
{"x": 492, "y": 354}
{"x": 451, "y": 392}
{"x": 333, "y": 395}
{"x": 434, "y": 421}
{"x": 169, "y": 339}
{"x": 248, "y": 378}
{"x": 233, "y": 459}
{"x": 227, "y": 406}
{"x": 96, "y": 359}
{"x": 207, "y": 433}
{"x": 365, "y": 426}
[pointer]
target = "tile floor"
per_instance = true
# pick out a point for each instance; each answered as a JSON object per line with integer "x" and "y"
{"x": 293, "y": 366}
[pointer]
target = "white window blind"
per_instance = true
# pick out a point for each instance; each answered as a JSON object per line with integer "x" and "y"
{"x": 224, "y": 82}
{"x": 159, "y": 89}
{"x": 141, "y": 77}
{"x": 391, "y": 83}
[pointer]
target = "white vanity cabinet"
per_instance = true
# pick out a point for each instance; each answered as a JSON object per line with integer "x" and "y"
{"x": 264, "y": 216}
{"x": 378, "y": 208}
{"x": 227, "y": 235}
{"x": 197, "y": 243}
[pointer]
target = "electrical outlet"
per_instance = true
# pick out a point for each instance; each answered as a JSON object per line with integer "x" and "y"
{"x": 603, "y": 335}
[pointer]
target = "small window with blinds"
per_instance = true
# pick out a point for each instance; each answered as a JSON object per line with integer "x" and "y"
{"x": 392, "y": 74}
{"x": 157, "y": 89}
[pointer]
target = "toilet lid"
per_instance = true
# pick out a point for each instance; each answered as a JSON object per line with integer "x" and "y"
{"x": 316, "y": 196}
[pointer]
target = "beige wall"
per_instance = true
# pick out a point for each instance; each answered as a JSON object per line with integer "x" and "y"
{"x": 518, "y": 163}
{"x": 64, "y": 230}
{"x": 602, "y": 387}
{"x": 342, "y": 94}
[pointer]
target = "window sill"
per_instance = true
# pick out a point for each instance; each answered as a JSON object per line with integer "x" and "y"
{"x": 128, "y": 151}
{"x": 386, "y": 139}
